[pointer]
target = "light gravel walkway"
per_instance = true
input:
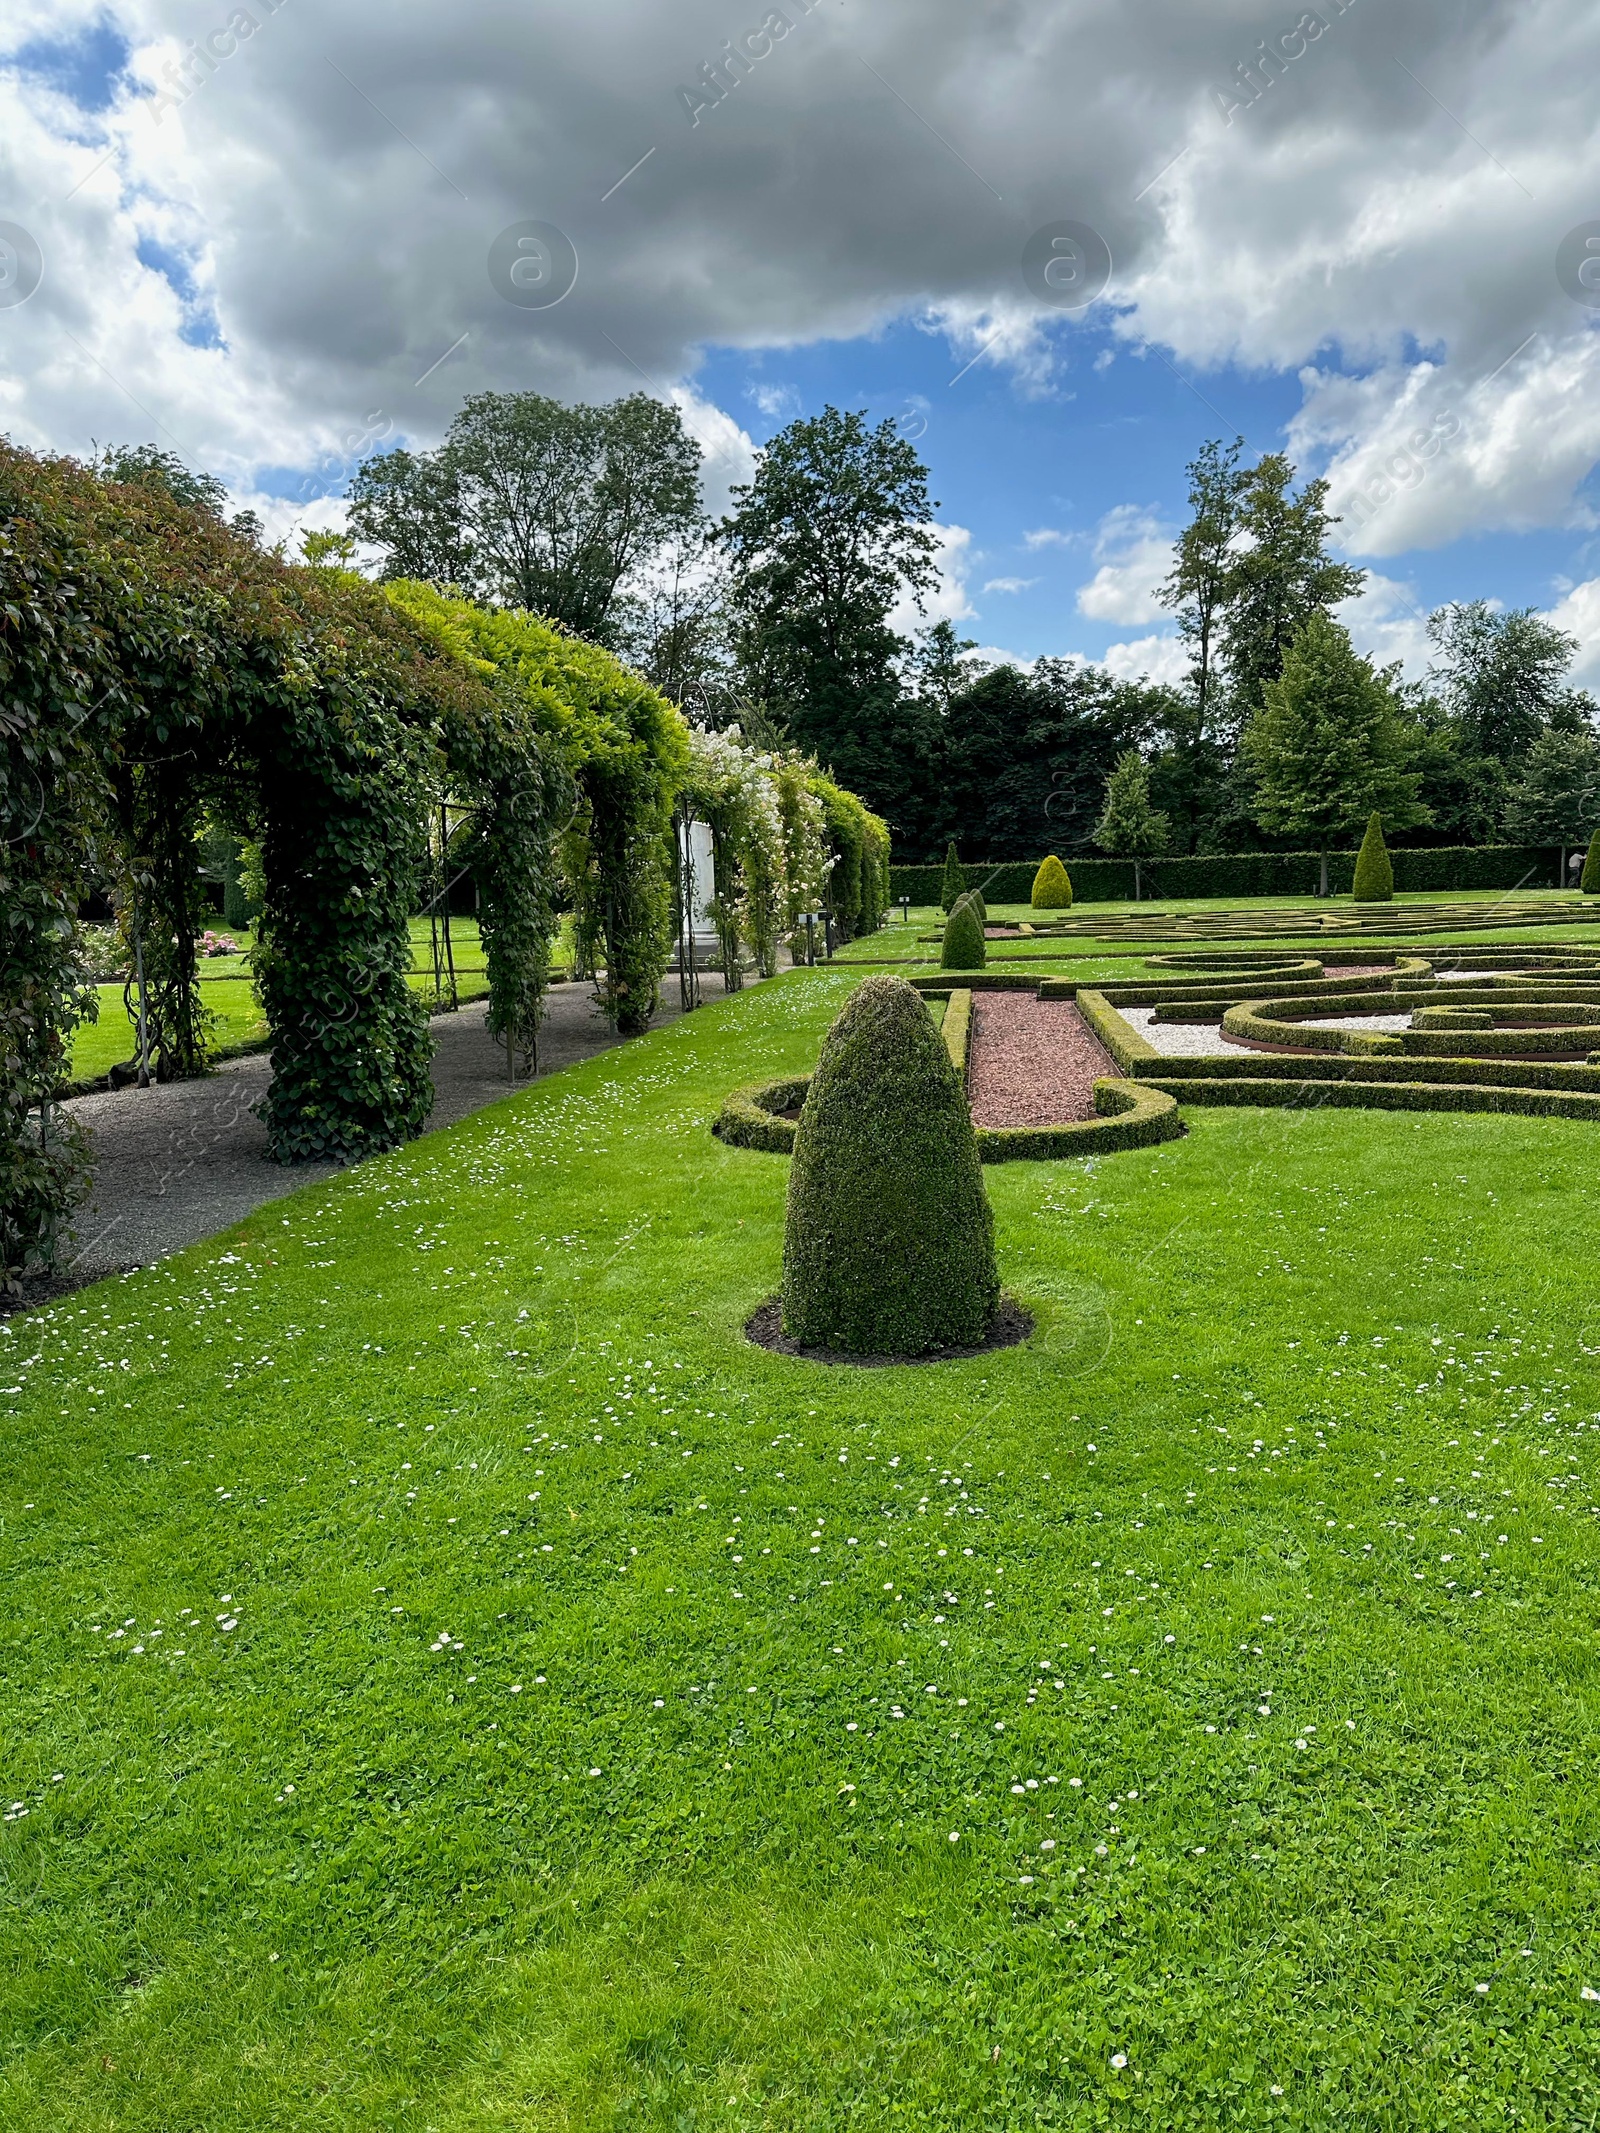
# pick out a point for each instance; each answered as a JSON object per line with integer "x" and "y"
{"x": 182, "y": 1160}
{"x": 1177, "y": 1040}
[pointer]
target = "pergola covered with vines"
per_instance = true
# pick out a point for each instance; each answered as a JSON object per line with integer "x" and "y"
{"x": 159, "y": 671}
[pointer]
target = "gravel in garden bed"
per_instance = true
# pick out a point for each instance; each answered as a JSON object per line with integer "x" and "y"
{"x": 1176, "y": 1040}
{"x": 1031, "y": 1062}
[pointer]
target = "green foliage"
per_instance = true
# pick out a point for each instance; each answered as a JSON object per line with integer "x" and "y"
{"x": 888, "y": 1237}
{"x": 822, "y": 543}
{"x": 1589, "y": 880}
{"x": 1018, "y": 762}
{"x": 858, "y": 880}
{"x": 509, "y": 758}
{"x": 1374, "y": 882}
{"x": 1129, "y": 823}
{"x": 1202, "y": 581}
{"x": 954, "y": 886}
{"x": 1498, "y": 673}
{"x": 534, "y": 503}
{"x": 1279, "y": 577}
{"x": 627, "y": 751}
{"x": 1557, "y": 795}
{"x": 229, "y": 684}
{"x": 1052, "y": 886}
{"x": 1329, "y": 745}
{"x": 964, "y": 946}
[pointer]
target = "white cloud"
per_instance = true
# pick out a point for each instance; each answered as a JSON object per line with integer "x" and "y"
{"x": 334, "y": 190}
{"x": 1009, "y": 585}
{"x": 1134, "y": 551}
{"x": 1579, "y": 612}
{"x": 1387, "y": 622}
{"x": 1048, "y": 537}
{"x": 775, "y": 401}
{"x": 1159, "y": 657}
{"x": 730, "y": 455}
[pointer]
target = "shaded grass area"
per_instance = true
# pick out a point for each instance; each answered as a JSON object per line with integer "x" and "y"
{"x": 228, "y": 992}
{"x": 564, "y": 1714}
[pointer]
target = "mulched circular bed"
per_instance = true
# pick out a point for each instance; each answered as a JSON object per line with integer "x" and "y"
{"x": 1009, "y": 1327}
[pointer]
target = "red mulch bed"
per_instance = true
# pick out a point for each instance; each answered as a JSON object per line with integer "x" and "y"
{"x": 1031, "y": 1062}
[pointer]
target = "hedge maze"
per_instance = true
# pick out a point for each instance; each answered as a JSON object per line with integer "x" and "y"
{"x": 1488, "y": 1029}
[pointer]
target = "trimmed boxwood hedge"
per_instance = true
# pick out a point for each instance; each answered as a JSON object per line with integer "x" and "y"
{"x": 1485, "y": 1073}
{"x": 1120, "y": 1039}
{"x": 1128, "y": 1115}
{"x": 888, "y": 1244}
{"x": 963, "y": 946}
{"x": 958, "y": 1030}
{"x": 1309, "y": 1094}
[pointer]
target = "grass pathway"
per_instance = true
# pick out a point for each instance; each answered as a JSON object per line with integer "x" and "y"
{"x": 452, "y": 1681}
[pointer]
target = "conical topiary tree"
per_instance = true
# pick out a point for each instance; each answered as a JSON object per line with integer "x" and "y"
{"x": 888, "y": 1247}
{"x": 1052, "y": 886}
{"x": 1589, "y": 879}
{"x": 955, "y": 880}
{"x": 964, "y": 946}
{"x": 1374, "y": 882}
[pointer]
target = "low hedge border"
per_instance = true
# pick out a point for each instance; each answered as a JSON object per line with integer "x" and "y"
{"x": 1253, "y": 1022}
{"x": 1129, "y": 1115}
{"x": 958, "y": 1030}
{"x": 950, "y": 981}
{"x": 1288, "y": 1021}
{"x": 748, "y": 1117}
{"x": 1127, "y": 1119}
{"x": 1213, "y": 990}
{"x": 1120, "y": 1038}
{"x": 1485, "y": 1073}
{"x": 1309, "y": 1093}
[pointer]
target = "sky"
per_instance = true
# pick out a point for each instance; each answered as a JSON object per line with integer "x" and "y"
{"x": 1059, "y": 244}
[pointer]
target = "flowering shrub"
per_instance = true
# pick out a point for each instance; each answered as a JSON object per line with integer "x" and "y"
{"x": 218, "y": 944}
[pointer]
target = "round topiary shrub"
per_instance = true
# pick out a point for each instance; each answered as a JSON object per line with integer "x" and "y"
{"x": 888, "y": 1247}
{"x": 1374, "y": 882}
{"x": 1589, "y": 879}
{"x": 964, "y": 947}
{"x": 1052, "y": 886}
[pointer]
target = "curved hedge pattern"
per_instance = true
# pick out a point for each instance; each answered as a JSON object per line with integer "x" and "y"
{"x": 1429, "y": 1067}
{"x": 1130, "y": 1115}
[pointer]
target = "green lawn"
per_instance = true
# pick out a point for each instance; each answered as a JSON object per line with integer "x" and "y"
{"x": 227, "y": 991}
{"x": 1187, "y": 1719}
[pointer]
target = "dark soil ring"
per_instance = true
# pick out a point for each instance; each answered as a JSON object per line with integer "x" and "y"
{"x": 1009, "y": 1327}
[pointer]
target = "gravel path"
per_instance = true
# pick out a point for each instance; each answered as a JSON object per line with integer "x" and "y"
{"x": 182, "y": 1160}
{"x": 1176, "y": 1040}
{"x": 1032, "y": 1062}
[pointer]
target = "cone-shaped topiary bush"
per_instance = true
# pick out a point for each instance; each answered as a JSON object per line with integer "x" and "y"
{"x": 964, "y": 946}
{"x": 1374, "y": 883}
{"x": 888, "y": 1247}
{"x": 955, "y": 880}
{"x": 1589, "y": 879}
{"x": 1052, "y": 886}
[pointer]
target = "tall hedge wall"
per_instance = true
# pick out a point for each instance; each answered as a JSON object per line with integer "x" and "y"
{"x": 1440, "y": 868}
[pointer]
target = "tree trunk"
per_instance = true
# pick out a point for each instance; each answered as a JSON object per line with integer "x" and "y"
{"x": 1323, "y": 888}
{"x": 1138, "y": 885}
